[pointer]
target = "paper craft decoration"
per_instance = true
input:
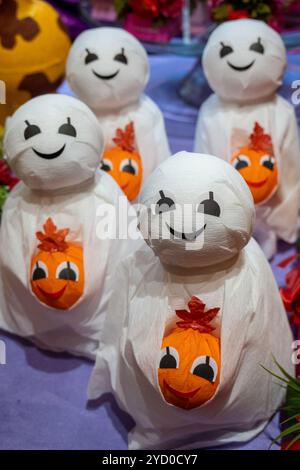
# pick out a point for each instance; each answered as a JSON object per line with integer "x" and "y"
{"x": 189, "y": 367}
{"x": 257, "y": 165}
{"x": 34, "y": 45}
{"x": 124, "y": 163}
{"x": 108, "y": 69}
{"x": 206, "y": 272}
{"x": 244, "y": 62}
{"x": 54, "y": 265}
{"x": 57, "y": 272}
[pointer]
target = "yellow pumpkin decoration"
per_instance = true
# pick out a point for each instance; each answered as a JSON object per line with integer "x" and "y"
{"x": 189, "y": 368}
{"x": 124, "y": 163}
{"x": 257, "y": 164}
{"x": 33, "y": 49}
{"x": 57, "y": 272}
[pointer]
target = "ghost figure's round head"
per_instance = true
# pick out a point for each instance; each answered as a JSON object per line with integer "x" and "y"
{"x": 53, "y": 142}
{"x": 107, "y": 68}
{"x": 244, "y": 61}
{"x": 196, "y": 211}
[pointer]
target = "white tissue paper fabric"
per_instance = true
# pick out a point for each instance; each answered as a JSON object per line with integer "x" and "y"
{"x": 54, "y": 143}
{"x": 252, "y": 323}
{"x": 244, "y": 62}
{"x": 108, "y": 69}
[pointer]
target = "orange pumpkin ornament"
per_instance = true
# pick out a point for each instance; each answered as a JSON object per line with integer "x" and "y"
{"x": 257, "y": 164}
{"x": 189, "y": 368}
{"x": 57, "y": 273}
{"x": 124, "y": 163}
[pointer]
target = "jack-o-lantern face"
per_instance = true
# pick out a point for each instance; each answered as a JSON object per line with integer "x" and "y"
{"x": 189, "y": 367}
{"x": 257, "y": 165}
{"x": 57, "y": 271}
{"x": 124, "y": 164}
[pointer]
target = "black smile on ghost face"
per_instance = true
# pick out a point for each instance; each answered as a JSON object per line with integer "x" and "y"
{"x": 32, "y": 130}
{"x": 190, "y": 236}
{"x": 50, "y": 156}
{"x": 241, "y": 69}
{"x": 105, "y": 77}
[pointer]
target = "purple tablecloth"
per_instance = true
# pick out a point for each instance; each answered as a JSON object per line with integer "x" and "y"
{"x": 43, "y": 401}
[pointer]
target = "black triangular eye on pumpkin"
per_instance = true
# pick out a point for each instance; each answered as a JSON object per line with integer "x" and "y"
{"x": 90, "y": 57}
{"x": 31, "y": 130}
{"x": 268, "y": 162}
{"x": 121, "y": 57}
{"x": 210, "y": 206}
{"x": 40, "y": 271}
{"x": 106, "y": 165}
{"x": 164, "y": 204}
{"x": 67, "y": 271}
{"x": 240, "y": 162}
{"x": 225, "y": 50}
{"x": 257, "y": 47}
{"x": 67, "y": 129}
{"x": 205, "y": 367}
{"x": 169, "y": 358}
{"x": 129, "y": 166}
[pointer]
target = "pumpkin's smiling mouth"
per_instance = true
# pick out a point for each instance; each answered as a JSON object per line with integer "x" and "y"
{"x": 183, "y": 235}
{"x": 106, "y": 77}
{"x": 240, "y": 69}
{"x": 256, "y": 184}
{"x": 179, "y": 394}
{"x": 50, "y": 156}
{"x": 53, "y": 295}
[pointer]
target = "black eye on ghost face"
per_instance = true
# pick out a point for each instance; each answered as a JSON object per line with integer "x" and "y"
{"x": 257, "y": 47}
{"x": 67, "y": 129}
{"x": 169, "y": 358}
{"x": 121, "y": 57}
{"x": 225, "y": 50}
{"x": 164, "y": 204}
{"x": 210, "y": 206}
{"x": 90, "y": 57}
{"x": 31, "y": 130}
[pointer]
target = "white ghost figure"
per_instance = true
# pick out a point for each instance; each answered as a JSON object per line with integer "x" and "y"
{"x": 108, "y": 69}
{"x": 244, "y": 62}
{"x": 54, "y": 285}
{"x": 213, "y": 258}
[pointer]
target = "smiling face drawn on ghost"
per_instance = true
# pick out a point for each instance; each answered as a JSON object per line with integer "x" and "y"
{"x": 107, "y": 78}
{"x": 53, "y": 142}
{"x": 244, "y": 60}
{"x": 196, "y": 211}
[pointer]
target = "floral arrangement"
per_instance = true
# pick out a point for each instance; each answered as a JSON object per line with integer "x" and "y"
{"x": 157, "y": 10}
{"x": 271, "y": 11}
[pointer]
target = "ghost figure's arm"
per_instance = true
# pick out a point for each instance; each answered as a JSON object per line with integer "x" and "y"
{"x": 151, "y": 136}
{"x": 201, "y": 144}
{"x": 105, "y": 371}
{"x": 284, "y": 218}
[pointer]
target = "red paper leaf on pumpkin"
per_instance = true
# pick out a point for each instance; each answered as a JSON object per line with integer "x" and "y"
{"x": 197, "y": 317}
{"x": 52, "y": 239}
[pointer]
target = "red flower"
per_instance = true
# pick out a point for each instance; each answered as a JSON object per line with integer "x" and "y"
{"x": 291, "y": 293}
{"x": 238, "y": 14}
{"x": 155, "y": 8}
{"x": 6, "y": 177}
